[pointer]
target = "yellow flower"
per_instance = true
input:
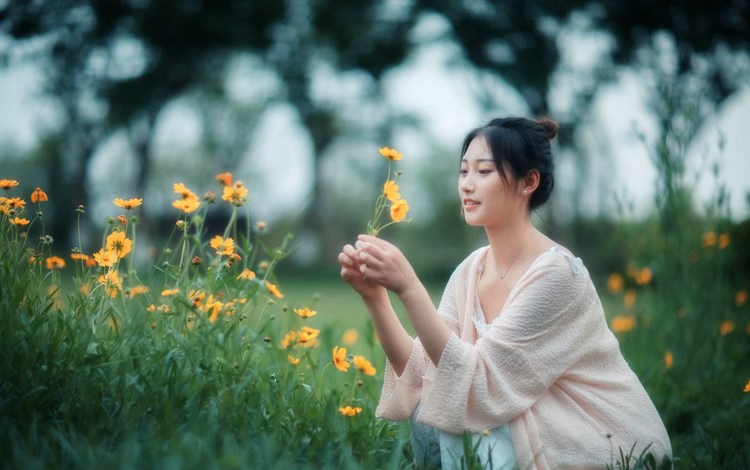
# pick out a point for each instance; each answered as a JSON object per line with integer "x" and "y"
{"x": 313, "y": 332}
{"x": 169, "y": 292}
{"x": 399, "y": 210}
{"x": 119, "y": 244}
{"x": 293, "y": 360}
{"x": 137, "y": 290}
{"x": 643, "y": 277}
{"x": 724, "y": 240}
{"x": 151, "y": 308}
{"x": 235, "y": 194}
{"x": 390, "y": 190}
{"x": 38, "y": 196}
{"x": 350, "y": 337}
{"x": 105, "y": 258}
{"x": 55, "y": 262}
{"x": 224, "y": 178}
{"x": 668, "y": 359}
{"x": 183, "y": 191}
{"x": 747, "y": 387}
{"x": 363, "y": 365}
{"x": 307, "y": 339}
{"x": 622, "y": 323}
{"x": 246, "y": 274}
{"x": 222, "y": 246}
{"x": 187, "y": 205}
{"x": 288, "y": 339}
{"x": 339, "y": 359}
{"x": 349, "y": 411}
{"x": 14, "y": 203}
{"x": 709, "y": 239}
{"x": 128, "y": 204}
{"x": 740, "y": 298}
{"x": 305, "y": 312}
{"x": 112, "y": 282}
{"x": 726, "y": 327}
{"x": 19, "y": 221}
{"x": 273, "y": 290}
{"x": 7, "y": 184}
{"x": 615, "y": 283}
{"x": 629, "y": 299}
{"x": 391, "y": 154}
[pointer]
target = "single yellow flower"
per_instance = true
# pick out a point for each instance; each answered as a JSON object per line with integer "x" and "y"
{"x": 668, "y": 359}
{"x": 15, "y": 203}
{"x": 313, "y": 332}
{"x": 183, "y": 191}
{"x": 151, "y": 308}
{"x": 224, "y": 178}
{"x": 222, "y": 246}
{"x": 106, "y": 258}
{"x": 39, "y": 196}
{"x": 137, "y": 290}
{"x": 187, "y": 205}
{"x": 709, "y": 239}
{"x": 350, "y": 337}
{"x": 629, "y": 299}
{"x": 55, "y": 262}
{"x": 726, "y": 327}
{"x": 274, "y": 290}
{"x": 112, "y": 282}
{"x": 290, "y": 337}
{"x": 293, "y": 360}
{"x": 391, "y": 154}
{"x": 615, "y": 283}
{"x": 128, "y": 204}
{"x": 118, "y": 243}
{"x": 399, "y": 210}
{"x": 363, "y": 365}
{"x": 724, "y": 240}
{"x": 339, "y": 359}
{"x": 169, "y": 292}
{"x": 390, "y": 190}
{"x": 643, "y": 277}
{"x": 246, "y": 274}
{"x": 19, "y": 221}
{"x": 305, "y": 312}
{"x": 235, "y": 194}
{"x": 350, "y": 411}
{"x": 740, "y": 298}
{"x": 622, "y": 323}
{"x": 7, "y": 184}
{"x": 747, "y": 387}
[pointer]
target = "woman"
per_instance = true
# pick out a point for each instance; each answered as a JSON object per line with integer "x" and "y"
{"x": 518, "y": 352}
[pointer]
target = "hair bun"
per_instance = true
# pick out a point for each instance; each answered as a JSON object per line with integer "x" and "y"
{"x": 550, "y": 127}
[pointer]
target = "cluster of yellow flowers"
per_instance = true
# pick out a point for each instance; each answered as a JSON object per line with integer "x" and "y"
{"x": 13, "y": 208}
{"x": 389, "y": 198}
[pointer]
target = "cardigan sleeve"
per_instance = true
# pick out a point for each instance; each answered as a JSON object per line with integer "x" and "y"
{"x": 544, "y": 329}
{"x": 401, "y": 394}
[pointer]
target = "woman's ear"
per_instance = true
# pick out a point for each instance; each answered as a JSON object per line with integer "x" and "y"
{"x": 530, "y": 182}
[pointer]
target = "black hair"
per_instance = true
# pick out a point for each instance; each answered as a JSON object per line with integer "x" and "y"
{"x": 520, "y": 145}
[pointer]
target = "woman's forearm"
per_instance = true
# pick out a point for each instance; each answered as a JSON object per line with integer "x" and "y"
{"x": 431, "y": 329}
{"x": 394, "y": 339}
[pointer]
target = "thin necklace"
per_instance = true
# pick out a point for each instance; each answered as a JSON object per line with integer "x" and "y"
{"x": 502, "y": 276}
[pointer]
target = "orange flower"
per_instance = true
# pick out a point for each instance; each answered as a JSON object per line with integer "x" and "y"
{"x": 307, "y": 339}
{"x": 39, "y": 196}
{"x": 740, "y": 298}
{"x": 391, "y": 154}
{"x": 615, "y": 283}
{"x": 119, "y": 244}
{"x": 169, "y": 292}
{"x": 399, "y": 210}
{"x": 19, "y": 221}
{"x": 235, "y": 194}
{"x": 724, "y": 240}
{"x": 224, "y": 178}
{"x": 273, "y": 290}
{"x": 363, "y": 365}
{"x": 305, "y": 312}
{"x": 137, "y": 290}
{"x": 350, "y": 337}
{"x": 183, "y": 191}
{"x": 7, "y": 184}
{"x": 288, "y": 339}
{"x": 643, "y": 277}
{"x": 726, "y": 327}
{"x": 622, "y": 323}
{"x": 668, "y": 359}
{"x": 112, "y": 282}
{"x": 390, "y": 190}
{"x": 293, "y": 360}
{"x": 339, "y": 359}
{"x": 246, "y": 274}
{"x": 187, "y": 205}
{"x": 222, "y": 246}
{"x": 14, "y": 203}
{"x": 747, "y": 387}
{"x": 128, "y": 204}
{"x": 106, "y": 258}
{"x": 349, "y": 411}
{"x": 55, "y": 262}
{"x": 709, "y": 239}
{"x": 629, "y": 299}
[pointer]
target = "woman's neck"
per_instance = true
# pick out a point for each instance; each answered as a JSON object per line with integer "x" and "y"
{"x": 507, "y": 242}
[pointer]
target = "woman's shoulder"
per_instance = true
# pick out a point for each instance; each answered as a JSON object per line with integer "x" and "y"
{"x": 559, "y": 263}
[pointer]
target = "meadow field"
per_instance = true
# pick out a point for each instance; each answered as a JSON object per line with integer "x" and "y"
{"x": 205, "y": 357}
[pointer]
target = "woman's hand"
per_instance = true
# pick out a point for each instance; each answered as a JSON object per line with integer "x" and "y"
{"x": 351, "y": 273}
{"x": 382, "y": 263}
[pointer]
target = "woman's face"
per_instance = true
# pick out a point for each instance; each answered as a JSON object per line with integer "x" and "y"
{"x": 486, "y": 198}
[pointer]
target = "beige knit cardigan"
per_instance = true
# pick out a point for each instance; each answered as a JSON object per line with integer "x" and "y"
{"x": 549, "y": 366}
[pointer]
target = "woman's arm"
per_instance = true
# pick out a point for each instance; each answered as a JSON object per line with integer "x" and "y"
{"x": 384, "y": 264}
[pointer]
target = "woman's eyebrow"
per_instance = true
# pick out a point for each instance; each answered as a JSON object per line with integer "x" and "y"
{"x": 480, "y": 160}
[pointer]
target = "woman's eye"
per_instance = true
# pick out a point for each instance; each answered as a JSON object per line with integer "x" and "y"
{"x": 463, "y": 172}
{"x": 485, "y": 171}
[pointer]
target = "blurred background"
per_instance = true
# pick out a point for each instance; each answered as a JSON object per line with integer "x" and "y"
{"x": 105, "y": 99}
